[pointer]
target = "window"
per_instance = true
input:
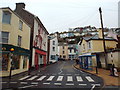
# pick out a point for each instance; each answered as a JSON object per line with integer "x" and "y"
{"x": 53, "y": 48}
{"x": 19, "y": 40}
{"x": 64, "y": 56}
{"x": 83, "y": 46}
{"x": 89, "y": 45}
{"x": 6, "y": 17}
{"x": 5, "y": 60}
{"x": 53, "y": 42}
{"x": 20, "y": 24}
{"x": 63, "y": 52}
{"x": 5, "y": 37}
{"x": 52, "y": 57}
{"x": 15, "y": 62}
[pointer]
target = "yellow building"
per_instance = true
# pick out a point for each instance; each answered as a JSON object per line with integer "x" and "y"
{"x": 63, "y": 51}
{"x": 15, "y": 43}
{"x": 92, "y": 49}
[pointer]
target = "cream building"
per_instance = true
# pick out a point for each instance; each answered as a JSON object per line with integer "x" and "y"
{"x": 15, "y": 43}
{"x": 63, "y": 51}
{"x": 92, "y": 49}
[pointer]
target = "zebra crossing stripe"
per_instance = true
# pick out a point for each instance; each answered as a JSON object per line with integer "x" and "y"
{"x": 79, "y": 78}
{"x": 69, "y": 83}
{"x": 57, "y": 83}
{"x": 24, "y": 77}
{"x": 60, "y": 78}
{"x": 41, "y": 78}
{"x": 89, "y": 79}
{"x": 69, "y": 78}
{"x": 32, "y": 78}
{"x": 83, "y": 84}
{"x": 50, "y": 78}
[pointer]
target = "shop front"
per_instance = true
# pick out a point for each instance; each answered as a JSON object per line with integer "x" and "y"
{"x": 40, "y": 58}
{"x": 16, "y": 59}
{"x": 85, "y": 61}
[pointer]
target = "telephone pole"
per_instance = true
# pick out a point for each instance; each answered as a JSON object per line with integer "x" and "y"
{"x": 103, "y": 38}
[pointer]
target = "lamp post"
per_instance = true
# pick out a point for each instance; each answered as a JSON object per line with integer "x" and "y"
{"x": 11, "y": 54}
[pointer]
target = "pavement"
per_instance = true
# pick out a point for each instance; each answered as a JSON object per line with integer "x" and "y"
{"x": 109, "y": 81}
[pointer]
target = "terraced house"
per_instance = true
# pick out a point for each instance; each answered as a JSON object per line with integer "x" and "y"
{"x": 92, "y": 51}
{"x": 38, "y": 37}
{"x": 15, "y": 41}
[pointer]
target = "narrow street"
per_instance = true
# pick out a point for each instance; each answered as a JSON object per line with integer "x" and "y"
{"x": 59, "y": 75}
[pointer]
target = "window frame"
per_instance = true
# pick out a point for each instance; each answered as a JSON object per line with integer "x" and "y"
{"x": 19, "y": 42}
{"x": 5, "y": 38}
{"x": 20, "y": 25}
{"x": 4, "y": 20}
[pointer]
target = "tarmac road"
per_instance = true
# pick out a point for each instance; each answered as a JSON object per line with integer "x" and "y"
{"x": 59, "y": 75}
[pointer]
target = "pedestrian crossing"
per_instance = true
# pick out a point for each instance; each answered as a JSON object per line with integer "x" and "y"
{"x": 60, "y": 78}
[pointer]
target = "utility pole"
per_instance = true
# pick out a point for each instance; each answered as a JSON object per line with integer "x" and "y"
{"x": 103, "y": 38}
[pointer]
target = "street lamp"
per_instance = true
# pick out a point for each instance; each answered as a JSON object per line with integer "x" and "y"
{"x": 11, "y": 54}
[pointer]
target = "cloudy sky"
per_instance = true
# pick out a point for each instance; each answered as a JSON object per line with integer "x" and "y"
{"x": 60, "y": 15}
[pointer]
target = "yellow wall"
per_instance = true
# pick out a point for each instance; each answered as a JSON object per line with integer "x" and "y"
{"x": 97, "y": 46}
{"x": 14, "y": 31}
{"x": 65, "y": 51}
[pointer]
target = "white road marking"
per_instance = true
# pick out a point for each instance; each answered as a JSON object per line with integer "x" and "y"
{"x": 69, "y": 78}
{"x": 46, "y": 83}
{"x": 79, "y": 78}
{"x": 89, "y": 79}
{"x": 92, "y": 87}
{"x": 32, "y": 78}
{"x": 60, "y": 78}
{"x": 60, "y": 71}
{"x": 95, "y": 84}
{"x": 23, "y": 82}
{"x": 41, "y": 78}
{"x": 34, "y": 83}
{"x": 13, "y": 82}
{"x": 50, "y": 78}
{"x": 83, "y": 84}
{"x": 28, "y": 86}
{"x": 3, "y": 82}
{"x": 24, "y": 77}
{"x": 57, "y": 83}
{"x": 69, "y": 83}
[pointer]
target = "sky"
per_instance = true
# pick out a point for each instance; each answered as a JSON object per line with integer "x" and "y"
{"x": 60, "y": 15}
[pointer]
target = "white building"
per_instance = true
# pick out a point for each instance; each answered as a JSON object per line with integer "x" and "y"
{"x": 119, "y": 14}
{"x": 53, "y": 56}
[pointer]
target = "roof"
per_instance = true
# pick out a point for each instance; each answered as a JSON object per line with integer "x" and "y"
{"x": 95, "y": 37}
{"x": 16, "y": 15}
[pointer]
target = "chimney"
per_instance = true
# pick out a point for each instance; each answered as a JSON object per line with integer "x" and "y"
{"x": 100, "y": 33}
{"x": 20, "y": 6}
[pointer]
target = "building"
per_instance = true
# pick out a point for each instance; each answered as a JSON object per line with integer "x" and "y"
{"x": 92, "y": 51}
{"x": 119, "y": 14}
{"x": 63, "y": 51}
{"x": 72, "y": 51}
{"x": 15, "y": 41}
{"x": 53, "y": 55}
{"x": 38, "y": 37}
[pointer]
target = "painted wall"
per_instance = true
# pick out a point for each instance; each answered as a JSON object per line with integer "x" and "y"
{"x": 65, "y": 51}
{"x": 96, "y": 46}
{"x": 56, "y": 49}
{"x": 14, "y": 31}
